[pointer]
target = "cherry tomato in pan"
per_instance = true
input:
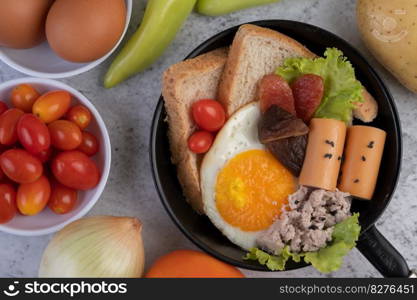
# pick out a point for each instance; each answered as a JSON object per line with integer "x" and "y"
{"x": 20, "y": 166}
{"x": 208, "y": 114}
{"x": 200, "y": 141}
{"x": 33, "y": 134}
{"x": 76, "y": 170}
{"x": 7, "y": 202}
{"x": 52, "y": 105}
{"x": 65, "y": 135}
{"x": 8, "y": 122}
{"x": 45, "y": 155}
{"x": 3, "y": 107}
{"x": 89, "y": 144}
{"x": 80, "y": 115}
{"x": 63, "y": 199}
{"x": 23, "y": 96}
{"x": 2, "y": 175}
{"x": 33, "y": 197}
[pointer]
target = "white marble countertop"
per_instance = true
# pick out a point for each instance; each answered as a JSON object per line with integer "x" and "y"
{"x": 127, "y": 111}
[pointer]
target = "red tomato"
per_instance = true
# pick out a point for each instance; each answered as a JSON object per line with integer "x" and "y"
{"x": 3, "y": 107}
{"x": 8, "y": 122}
{"x": 7, "y": 202}
{"x": 89, "y": 144}
{"x": 63, "y": 199}
{"x": 20, "y": 166}
{"x": 76, "y": 170}
{"x": 65, "y": 135}
{"x": 44, "y": 155}
{"x": 52, "y": 105}
{"x": 200, "y": 141}
{"x": 33, "y": 197}
{"x": 80, "y": 115}
{"x": 208, "y": 114}
{"x": 23, "y": 97}
{"x": 33, "y": 134}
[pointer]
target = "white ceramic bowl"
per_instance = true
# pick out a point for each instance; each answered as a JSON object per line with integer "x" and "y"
{"x": 48, "y": 222}
{"x": 42, "y": 62}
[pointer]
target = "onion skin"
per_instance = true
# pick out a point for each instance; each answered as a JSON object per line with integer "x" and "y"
{"x": 100, "y": 246}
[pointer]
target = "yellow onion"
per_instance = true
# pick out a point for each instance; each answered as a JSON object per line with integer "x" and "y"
{"x": 101, "y": 246}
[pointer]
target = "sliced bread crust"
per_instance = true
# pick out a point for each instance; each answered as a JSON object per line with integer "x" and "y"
{"x": 255, "y": 52}
{"x": 183, "y": 84}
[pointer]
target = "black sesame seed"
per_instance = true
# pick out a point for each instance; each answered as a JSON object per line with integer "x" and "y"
{"x": 313, "y": 227}
{"x": 371, "y": 144}
{"x": 328, "y": 155}
{"x": 363, "y": 158}
{"x": 356, "y": 181}
{"x": 296, "y": 202}
{"x": 331, "y": 143}
{"x": 322, "y": 219}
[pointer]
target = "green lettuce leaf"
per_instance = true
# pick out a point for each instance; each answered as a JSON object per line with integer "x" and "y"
{"x": 326, "y": 260}
{"x": 344, "y": 237}
{"x": 341, "y": 88}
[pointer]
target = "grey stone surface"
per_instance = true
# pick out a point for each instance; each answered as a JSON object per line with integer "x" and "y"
{"x": 127, "y": 111}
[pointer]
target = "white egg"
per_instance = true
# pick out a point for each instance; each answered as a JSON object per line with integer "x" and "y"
{"x": 239, "y": 134}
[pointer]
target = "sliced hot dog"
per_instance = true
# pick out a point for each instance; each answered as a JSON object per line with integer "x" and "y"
{"x": 363, "y": 153}
{"x": 367, "y": 110}
{"x": 324, "y": 154}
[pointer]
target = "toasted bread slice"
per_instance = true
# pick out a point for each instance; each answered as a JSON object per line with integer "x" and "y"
{"x": 183, "y": 84}
{"x": 255, "y": 52}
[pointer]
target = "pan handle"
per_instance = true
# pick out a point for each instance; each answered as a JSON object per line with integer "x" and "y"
{"x": 382, "y": 255}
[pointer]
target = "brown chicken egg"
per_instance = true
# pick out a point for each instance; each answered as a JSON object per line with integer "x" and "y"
{"x": 85, "y": 30}
{"x": 22, "y": 23}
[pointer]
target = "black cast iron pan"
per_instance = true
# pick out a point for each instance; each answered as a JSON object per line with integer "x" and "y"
{"x": 201, "y": 231}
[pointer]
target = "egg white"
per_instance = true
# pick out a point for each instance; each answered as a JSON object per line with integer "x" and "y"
{"x": 239, "y": 134}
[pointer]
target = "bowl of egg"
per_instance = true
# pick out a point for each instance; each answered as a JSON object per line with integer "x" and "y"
{"x": 59, "y": 38}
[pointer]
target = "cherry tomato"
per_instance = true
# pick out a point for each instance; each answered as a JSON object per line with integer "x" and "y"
{"x": 33, "y": 197}
{"x": 20, "y": 166}
{"x": 3, "y": 107}
{"x": 44, "y": 155}
{"x": 63, "y": 199}
{"x": 65, "y": 135}
{"x": 52, "y": 105}
{"x": 8, "y": 122}
{"x": 89, "y": 144}
{"x": 33, "y": 134}
{"x": 200, "y": 141}
{"x": 208, "y": 114}
{"x": 76, "y": 170}
{"x": 7, "y": 202}
{"x": 23, "y": 97}
{"x": 80, "y": 115}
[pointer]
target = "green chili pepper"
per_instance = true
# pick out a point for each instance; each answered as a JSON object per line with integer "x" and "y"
{"x": 161, "y": 22}
{"x": 222, "y": 7}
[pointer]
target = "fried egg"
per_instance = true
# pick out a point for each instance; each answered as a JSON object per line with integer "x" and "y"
{"x": 243, "y": 186}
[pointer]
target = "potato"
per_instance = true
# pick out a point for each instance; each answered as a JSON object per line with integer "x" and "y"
{"x": 389, "y": 29}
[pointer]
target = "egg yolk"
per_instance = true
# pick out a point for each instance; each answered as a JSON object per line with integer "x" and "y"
{"x": 251, "y": 189}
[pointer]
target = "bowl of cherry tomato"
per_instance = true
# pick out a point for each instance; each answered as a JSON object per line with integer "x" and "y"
{"x": 54, "y": 156}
